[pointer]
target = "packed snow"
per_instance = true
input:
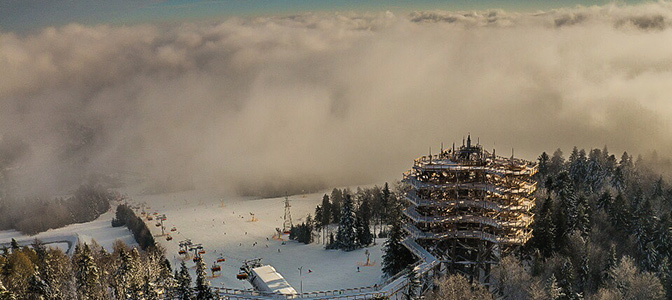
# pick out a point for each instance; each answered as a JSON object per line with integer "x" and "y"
{"x": 100, "y": 230}
{"x": 224, "y": 226}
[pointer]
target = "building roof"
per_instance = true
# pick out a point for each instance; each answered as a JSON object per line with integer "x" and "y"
{"x": 272, "y": 281}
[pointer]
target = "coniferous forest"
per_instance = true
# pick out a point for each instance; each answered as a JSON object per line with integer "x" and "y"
{"x": 40, "y": 272}
{"x": 602, "y": 230}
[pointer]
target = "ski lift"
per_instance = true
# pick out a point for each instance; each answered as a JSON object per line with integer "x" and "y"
{"x": 201, "y": 252}
{"x": 143, "y": 213}
{"x": 196, "y": 258}
{"x": 221, "y": 259}
{"x": 157, "y": 224}
{"x": 155, "y": 213}
{"x": 182, "y": 252}
{"x": 241, "y": 275}
{"x": 149, "y": 218}
{"x": 216, "y": 268}
{"x": 173, "y": 229}
{"x": 169, "y": 238}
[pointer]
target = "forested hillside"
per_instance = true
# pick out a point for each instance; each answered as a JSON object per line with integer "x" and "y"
{"x": 601, "y": 231}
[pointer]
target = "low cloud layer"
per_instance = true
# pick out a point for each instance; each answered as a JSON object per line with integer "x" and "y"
{"x": 330, "y": 99}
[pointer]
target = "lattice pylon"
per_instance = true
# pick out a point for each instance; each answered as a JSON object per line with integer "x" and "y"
{"x": 287, "y": 223}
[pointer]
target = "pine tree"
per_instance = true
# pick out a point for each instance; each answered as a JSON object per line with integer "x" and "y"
{"x": 183, "y": 289}
{"x": 544, "y": 165}
{"x": 203, "y": 291}
{"x": 612, "y": 261}
{"x": 86, "y": 274}
{"x": 584, "y": 214}
{"x": 123, "y": 276}
{"x": 544, "y": 229}
{"x": 584, "y": 271}
{"x": 318, "y": 222}
{"x": 567, "y": 213}
{"x": 386, "y": 204}
{"x": 149, "y": 289}
{"x": 554, "y": 291}
{"x": 566, "y": 280}
{"x": 396, "y": 256}
{"x": 619, "y": 214}
{"x": 14, "y": 245}
{"x": 364, "y": 237}
{"x": 46, "y": 273}
{"x": 326, "y": 216}
{"x": 605, "y": 200}
{"x": 135, "y": 287}
{"x": 336, "y": 202}
{"x": 37, "y": 287}
{"x": 347, "y": 232}
{"x": 618, "y": 179}
{"x": 557, "y": 162}
{"x": 167, "y": 281}
{"x": 595, "y": 173}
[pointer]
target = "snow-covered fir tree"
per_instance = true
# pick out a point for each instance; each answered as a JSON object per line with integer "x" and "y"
{"x": 183, "y": 288}
{"x": 203, "y": 291}
{"x": 122, "y": 278}
{"x": 346, "y": 238}
{"x": 149, "y": 289}
{"x": 86, "y": 274}
{"x": 364, "y": 236}
{"x": 37, "y": 287}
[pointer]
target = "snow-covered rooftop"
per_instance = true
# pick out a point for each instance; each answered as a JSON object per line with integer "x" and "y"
{"x": 266, "y": 278}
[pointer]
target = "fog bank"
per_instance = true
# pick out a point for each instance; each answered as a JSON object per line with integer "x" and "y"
{"x": 328, "y": 99}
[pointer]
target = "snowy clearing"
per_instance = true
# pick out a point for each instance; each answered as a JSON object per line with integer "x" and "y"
{"x": 100, "y": 230}
{"x": 223, "y": 225}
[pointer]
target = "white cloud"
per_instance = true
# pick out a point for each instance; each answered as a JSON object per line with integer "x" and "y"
{"x": 336, "y": 98}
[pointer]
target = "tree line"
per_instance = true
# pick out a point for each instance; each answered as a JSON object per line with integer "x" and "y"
{"x": 125, "y": 216}
{"x": 40, "y": 272}
{"x": 28, "y": 215}
{"x": 347, "y": 221}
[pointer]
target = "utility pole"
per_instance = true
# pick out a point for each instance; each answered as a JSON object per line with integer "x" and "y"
{"x": 301, "y": 277}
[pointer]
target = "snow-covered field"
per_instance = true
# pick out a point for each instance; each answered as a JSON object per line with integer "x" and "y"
{"x": 100, "y": 230}
{"x": 223, "y": 225}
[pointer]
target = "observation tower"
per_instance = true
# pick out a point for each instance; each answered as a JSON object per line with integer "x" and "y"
{"x": 467, "y": 206}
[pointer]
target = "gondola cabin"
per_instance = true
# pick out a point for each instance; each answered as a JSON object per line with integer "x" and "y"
{"x": 242, "y": 275}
